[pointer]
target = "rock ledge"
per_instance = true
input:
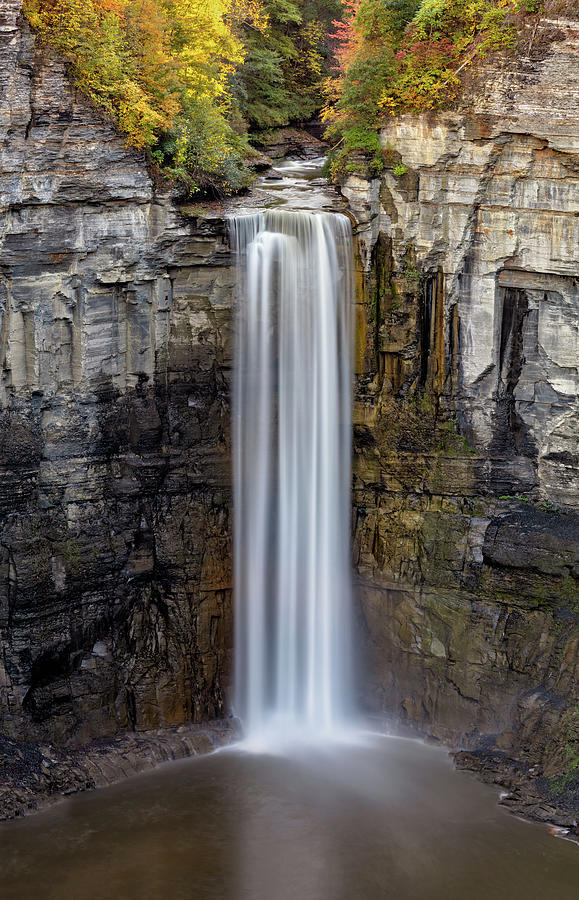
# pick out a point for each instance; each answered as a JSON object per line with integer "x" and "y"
{"x": 33, "y": 776}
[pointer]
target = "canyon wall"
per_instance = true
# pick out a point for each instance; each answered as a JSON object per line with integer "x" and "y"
{"x": 115, "y": 345}
{"x": 466, "y": 491}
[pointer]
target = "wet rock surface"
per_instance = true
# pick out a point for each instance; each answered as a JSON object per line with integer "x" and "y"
{"x": 37, "y": 775}
{"x": 529, "y": 793}
{"x": 467, "y": 426}
{"x": 295, "y": 142}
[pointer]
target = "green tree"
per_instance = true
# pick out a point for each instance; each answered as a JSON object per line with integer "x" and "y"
{"x": 280, "y": 80}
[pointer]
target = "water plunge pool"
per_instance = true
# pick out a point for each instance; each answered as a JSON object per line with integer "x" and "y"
{"x": 386, "y": 818}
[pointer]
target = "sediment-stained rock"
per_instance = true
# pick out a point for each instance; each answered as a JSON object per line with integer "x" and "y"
{"x": 466, "y": 485}
{"x": 488, "y": 205}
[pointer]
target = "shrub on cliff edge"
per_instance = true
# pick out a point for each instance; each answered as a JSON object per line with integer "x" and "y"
{"x": 161, "y": 69}
{"x": 397, "y": 56}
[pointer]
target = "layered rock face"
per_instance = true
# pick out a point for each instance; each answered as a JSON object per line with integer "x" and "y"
{"x": 467, "y": 427}
{"x": 115, "y": 340}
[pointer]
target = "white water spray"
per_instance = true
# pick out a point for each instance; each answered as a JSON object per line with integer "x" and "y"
{"x": 293, "y": 672}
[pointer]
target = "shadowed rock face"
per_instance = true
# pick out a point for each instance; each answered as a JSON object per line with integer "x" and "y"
{"x": 115, "y": 492}
{"x": 466, "y": 485}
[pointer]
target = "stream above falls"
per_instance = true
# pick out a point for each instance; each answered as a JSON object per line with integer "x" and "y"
{"x": 293, "y": 184}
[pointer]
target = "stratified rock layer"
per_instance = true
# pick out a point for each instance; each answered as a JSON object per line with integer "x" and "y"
{"x": 467, "y": 427}
{"x": 115, "y": 314}
{"x": 115, "y": 492}
{"x": 36, "y": 775}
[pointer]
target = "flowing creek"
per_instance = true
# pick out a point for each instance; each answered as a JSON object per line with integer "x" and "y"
{"x": 374, "y": 818}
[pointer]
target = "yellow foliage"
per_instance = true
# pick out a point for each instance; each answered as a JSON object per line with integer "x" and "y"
{"x": 204, "y": 46}
{"x": 144, "y": 61}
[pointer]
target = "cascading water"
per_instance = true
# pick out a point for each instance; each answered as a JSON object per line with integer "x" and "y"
{"x": 293, "y": 673}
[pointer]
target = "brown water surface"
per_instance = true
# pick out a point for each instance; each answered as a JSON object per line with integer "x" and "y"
{"x": 386, "y": 819}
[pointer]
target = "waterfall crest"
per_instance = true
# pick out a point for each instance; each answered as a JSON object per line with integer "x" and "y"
{"x": 292, "y": 463}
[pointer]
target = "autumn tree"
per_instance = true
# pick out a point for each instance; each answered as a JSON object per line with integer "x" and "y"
{"x": 399, "y": 56}
{"x": 162, "y": 70}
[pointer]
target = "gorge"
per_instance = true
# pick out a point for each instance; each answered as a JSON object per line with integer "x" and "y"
{"x": 116, "y": 571}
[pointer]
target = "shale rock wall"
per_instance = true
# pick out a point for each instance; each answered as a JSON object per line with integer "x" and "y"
{"x": 115, "y": 350}
{"x": 115, "y": 345}
{"x": 467, "y": 416}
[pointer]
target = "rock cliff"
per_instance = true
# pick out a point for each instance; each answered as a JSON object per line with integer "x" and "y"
{"x": 467, "y": 428}
{"x": 114, "y": 436}
{"x": 115, "y": 342}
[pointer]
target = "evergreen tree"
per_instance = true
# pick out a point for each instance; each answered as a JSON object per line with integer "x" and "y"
{"x": 281, "y": 78}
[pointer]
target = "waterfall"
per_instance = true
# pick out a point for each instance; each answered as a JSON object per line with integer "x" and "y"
{"x": 292, "y": 434}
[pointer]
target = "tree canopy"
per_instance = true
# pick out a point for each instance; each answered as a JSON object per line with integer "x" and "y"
{"x": 396, "y": 56}
{"x": 189, "y": 81}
